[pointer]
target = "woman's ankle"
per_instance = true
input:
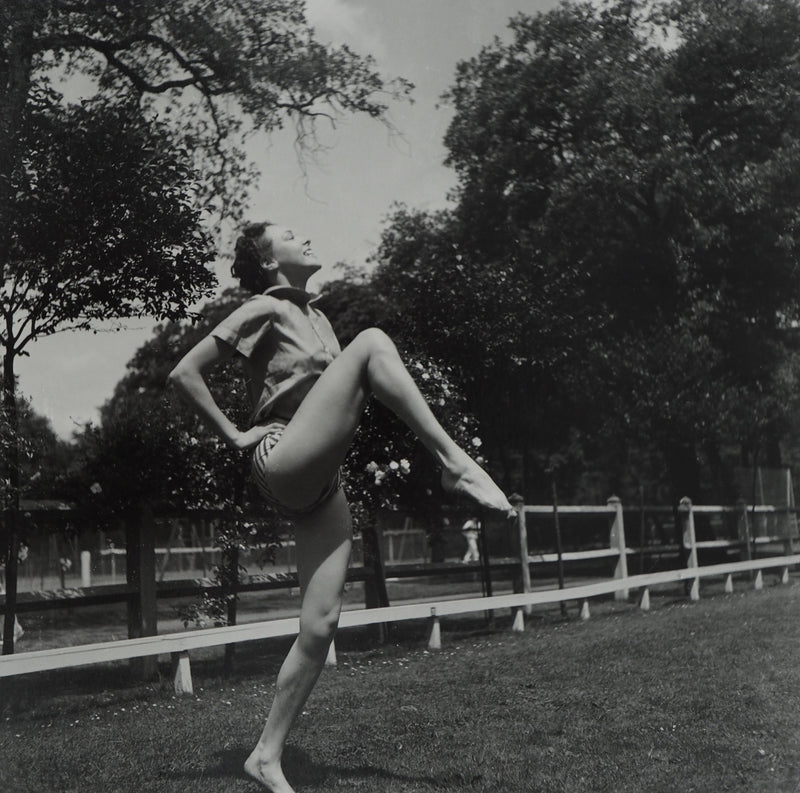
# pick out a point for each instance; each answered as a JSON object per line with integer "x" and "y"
{"x": 264, "y": 756}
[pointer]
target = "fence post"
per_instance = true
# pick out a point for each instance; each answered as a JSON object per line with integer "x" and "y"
{"x": 690, "y": 543}
{"x": 435, "y": 641}
{"x": 518, "y": 502}
{"x": 182, "y": 673}
{"x": 788, "y": 533}
{"x": 486, "y": 566}
{"x": 617, "y": 541}
{"x": 330, "y": 658}
{"x": 86, "y": 568}
{"x": 744, "y": 530}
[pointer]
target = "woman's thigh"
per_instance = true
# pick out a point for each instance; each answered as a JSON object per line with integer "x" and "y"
{"x": 316, "y": 440}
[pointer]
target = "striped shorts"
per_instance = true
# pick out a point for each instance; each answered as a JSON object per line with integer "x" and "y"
{"x": 258, "y": 470}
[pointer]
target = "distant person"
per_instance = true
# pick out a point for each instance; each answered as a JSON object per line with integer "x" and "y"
{"x": 471, "y": 530}
{"x": 307, "y": 397}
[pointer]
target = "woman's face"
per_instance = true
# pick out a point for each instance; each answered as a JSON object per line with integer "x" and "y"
{"x": 290, "y": 250}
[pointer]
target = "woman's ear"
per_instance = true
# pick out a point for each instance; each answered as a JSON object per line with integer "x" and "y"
{"x": 269, "y": 270}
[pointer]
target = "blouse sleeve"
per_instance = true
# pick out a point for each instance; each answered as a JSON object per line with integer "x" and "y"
{"x": 247, "y": 326}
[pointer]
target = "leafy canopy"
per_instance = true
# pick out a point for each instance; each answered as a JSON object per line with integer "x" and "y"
{"x": 622, "y": 249}
{"x": 217, "y": 71}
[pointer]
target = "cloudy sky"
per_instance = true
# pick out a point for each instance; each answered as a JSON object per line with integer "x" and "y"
{"x": 339, "y": 199}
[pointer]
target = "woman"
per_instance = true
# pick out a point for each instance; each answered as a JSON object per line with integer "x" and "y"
{"x": 308, "y": 396}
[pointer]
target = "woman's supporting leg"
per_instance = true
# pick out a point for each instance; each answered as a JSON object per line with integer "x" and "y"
{"x": 316, "y": 440}
{"x": 323, "y": 541}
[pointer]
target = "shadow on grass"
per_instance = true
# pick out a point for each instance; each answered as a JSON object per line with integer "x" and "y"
{"x": 302, "y": 771}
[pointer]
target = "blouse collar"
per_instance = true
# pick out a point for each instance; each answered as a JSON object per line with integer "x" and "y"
{"x": 293, "y": 293}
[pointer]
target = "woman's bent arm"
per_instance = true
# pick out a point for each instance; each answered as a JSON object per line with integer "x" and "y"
{"x": 187, "y": 377}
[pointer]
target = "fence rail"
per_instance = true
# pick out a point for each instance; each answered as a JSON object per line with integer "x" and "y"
{"x": 179, "y": 644}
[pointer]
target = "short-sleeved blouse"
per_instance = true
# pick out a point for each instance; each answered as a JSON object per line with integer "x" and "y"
{"x": 285, "y": 344}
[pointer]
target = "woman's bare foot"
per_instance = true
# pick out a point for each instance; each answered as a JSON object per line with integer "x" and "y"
{"x": 269, "y": 774}
{"x": 466, "y": 478}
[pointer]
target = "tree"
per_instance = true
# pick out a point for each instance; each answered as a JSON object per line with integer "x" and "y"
{"x": 499, "y": 322}
{"x": 177, "y": 88}
{"x": 103, "y": 227}
{"x": 44, "y": 457}
{"x": 166, "y": 459}
{"x": 670, "y": 218}
{"x": 218, "y": 72}
{"x": 637, "y": 192}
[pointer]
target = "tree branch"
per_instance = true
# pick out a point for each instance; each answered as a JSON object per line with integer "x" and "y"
{"x": 109, "y": 50}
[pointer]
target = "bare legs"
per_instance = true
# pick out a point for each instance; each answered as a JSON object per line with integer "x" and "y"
{"x": 305, "y": 460}
{"x": 317, "y": 438}
{"x": 323, "y": 554}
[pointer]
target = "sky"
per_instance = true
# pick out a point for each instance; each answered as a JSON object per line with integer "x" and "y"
{"x": 339, "y": 198}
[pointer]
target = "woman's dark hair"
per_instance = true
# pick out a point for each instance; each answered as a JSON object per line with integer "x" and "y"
{"x": 250, "y": 254}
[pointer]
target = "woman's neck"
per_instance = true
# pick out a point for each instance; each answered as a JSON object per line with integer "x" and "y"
{"x": 296, "y": 280}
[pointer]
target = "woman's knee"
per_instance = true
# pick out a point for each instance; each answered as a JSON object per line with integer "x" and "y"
{"x": 375, "y": 340}
{"x": 318, "y": 628}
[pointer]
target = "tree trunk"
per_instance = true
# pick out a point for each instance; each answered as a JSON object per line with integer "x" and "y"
{"x": 376, "y": 595}
{"x": 437, "y": 539}
{"x": 231, "y": 562}
{"x": 141, "y": 577}
{"x": 375, "y": 592}
{"x": 11, "y": 505}
{"x": 684, "y": 470}
{"x": 15, "y": 80}
{"x": 231, "y": 590}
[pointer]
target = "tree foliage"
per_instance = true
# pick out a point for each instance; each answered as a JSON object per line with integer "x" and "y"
{"x": 101, "y": 203}
{"x": 105, "y": 224}
{"x": 628, "y": 178}
{"x": 216, "y": 72}
{"x": 148, "y": 445}
{"x": 44, "y": 457}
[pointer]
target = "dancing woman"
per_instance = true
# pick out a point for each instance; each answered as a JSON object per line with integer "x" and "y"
{"x": 308, "y": 396}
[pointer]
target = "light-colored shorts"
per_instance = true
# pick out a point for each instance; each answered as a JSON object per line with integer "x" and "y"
{"x": 258, "y": 469}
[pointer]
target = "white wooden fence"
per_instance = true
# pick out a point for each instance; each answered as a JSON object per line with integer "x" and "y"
{"x": 178, "y": 645}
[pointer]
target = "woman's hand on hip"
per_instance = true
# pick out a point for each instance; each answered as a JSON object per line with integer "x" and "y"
{"x": 249, "y": 438}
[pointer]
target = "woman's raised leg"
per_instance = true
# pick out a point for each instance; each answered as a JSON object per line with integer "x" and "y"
{"x": 323, "y": 541}
{"x": 317, "y": 438}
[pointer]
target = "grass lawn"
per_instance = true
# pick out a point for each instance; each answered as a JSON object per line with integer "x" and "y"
{"x": 687, "y": 697}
